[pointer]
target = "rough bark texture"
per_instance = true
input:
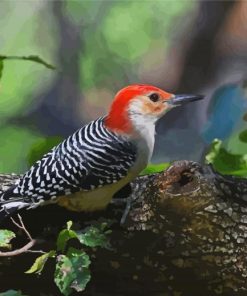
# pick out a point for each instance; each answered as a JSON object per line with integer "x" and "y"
{"x": 185, "y": 234}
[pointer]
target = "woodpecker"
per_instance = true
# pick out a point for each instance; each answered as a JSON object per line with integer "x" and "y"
{"x": 84, "y": 171}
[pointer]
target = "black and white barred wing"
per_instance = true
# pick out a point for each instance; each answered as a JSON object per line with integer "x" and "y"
{"x": 97, "y": 156}
{"x": 91, "y": 158}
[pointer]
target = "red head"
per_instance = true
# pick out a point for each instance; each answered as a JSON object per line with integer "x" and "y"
{"x": 137, "y": 101}
{"x": 137, "y": 107}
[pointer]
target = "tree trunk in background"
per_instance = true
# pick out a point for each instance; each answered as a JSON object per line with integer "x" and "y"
{"x": 59, "y": 104}
{"x": 185, "y": 234}
{"x": 199, "y": 63}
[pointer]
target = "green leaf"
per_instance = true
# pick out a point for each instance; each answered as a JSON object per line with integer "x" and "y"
{"x": 243, "y": 136}
{"x": 226, "y": 162}
{"x": 72, "y": 271}
{"x": 80, "y": 263}
{"x": 95, "y": 236}
{"x": 64, "y": 236}
{"x": 64, "y": 276}
{"x": 39, "y": 263}
{"x": 73, "y": 252}
{"x": 1, "y": 68}
{"x": 155, "y": 168}
{"x": 213, "y": 151}
{"x": 12, "y": 293}
{"x": 92, "y": 236}
{"x": 69, "y": 224}
{"x": 5, "y": 237}
{"x": 32, "y": 58}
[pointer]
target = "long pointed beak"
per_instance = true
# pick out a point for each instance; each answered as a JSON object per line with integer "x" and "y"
{"x": 177, "y": 100}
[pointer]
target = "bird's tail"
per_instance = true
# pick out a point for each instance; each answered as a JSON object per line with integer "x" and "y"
{"x": 10, "y": 204}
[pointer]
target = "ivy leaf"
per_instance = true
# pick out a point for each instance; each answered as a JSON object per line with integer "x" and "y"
{"x": 95, "y": 236}
{"x": 64, "y": 236}
{"x": 74, "y": 253}
{"x": 39, "y": 263}
{"x": 243, "y": 136}
{"x": 72, "y": 271}
{"x": 64, "y": 276}
{"x": 5, "y": 237}
{"x": 12, "y": 293}
{"x": 80, "y": 262}
{"x": 213, "y": 151}
{"x": 32, "y": 58}
{"x": 226, "y": 162}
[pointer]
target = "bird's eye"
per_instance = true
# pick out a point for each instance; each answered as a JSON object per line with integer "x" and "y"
{"x": 154, "y": 97}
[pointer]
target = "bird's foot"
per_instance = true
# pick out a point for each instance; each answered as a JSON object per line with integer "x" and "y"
{"x": 118, "y": 201}
{"x": 126, "y": 211}
{"x": 121, "y": 202}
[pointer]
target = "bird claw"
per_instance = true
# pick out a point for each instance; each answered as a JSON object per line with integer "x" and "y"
{"x": 119, "y": 202}
{"x": 126, "y": 211}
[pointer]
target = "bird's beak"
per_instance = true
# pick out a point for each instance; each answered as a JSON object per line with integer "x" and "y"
{"x": 177, "y": 100}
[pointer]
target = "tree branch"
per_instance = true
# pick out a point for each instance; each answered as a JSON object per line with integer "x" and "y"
{"x": 22, "y": 226}
{"x": 20, "y": 251}
{"x": 185, "y": 234}
{"x": 25, "y": 248}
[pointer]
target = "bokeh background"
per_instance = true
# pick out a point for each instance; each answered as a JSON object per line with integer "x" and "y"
{"x": 99, "y": 47}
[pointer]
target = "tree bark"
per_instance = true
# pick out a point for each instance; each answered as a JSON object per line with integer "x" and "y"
{"x": 185, "y": 234}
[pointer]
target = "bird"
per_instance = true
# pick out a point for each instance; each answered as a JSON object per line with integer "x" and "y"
{"x": 84, "y": 171}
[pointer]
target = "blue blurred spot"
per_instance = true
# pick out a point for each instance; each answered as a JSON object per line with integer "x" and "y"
{"x": 225, "y": 111}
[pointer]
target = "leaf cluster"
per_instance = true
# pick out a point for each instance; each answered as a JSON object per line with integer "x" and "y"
{"x": 226, "y": 162}
{"x": 71, "y": 264}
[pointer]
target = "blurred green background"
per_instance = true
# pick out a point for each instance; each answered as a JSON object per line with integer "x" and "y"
{"x": 99, "y": 47}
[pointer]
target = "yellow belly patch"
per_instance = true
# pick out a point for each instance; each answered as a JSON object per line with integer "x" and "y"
{"x": 84, "y": 201}
{"x": 98, "y": 199}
